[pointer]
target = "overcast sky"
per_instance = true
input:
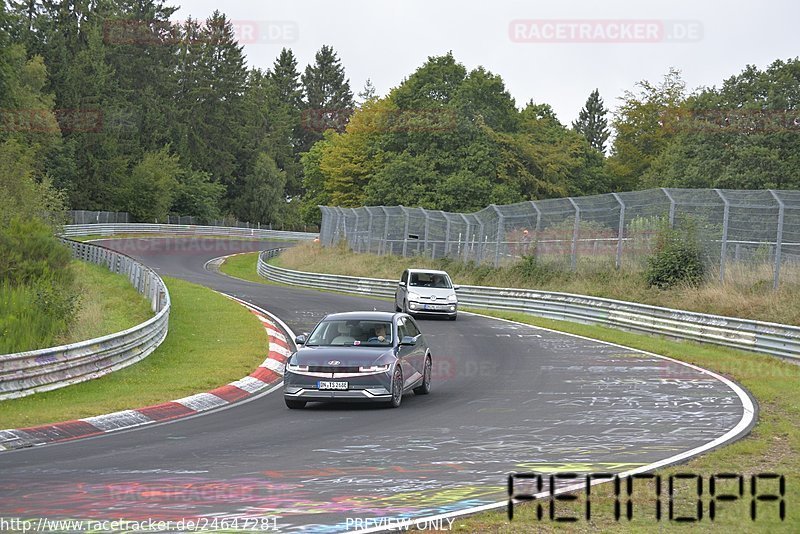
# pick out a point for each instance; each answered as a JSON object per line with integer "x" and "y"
{"x": 556, "y": 52}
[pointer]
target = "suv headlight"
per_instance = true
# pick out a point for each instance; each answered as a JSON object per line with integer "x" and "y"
{"x": 452, "y": 298}
{"x": 375, "y": 368}
{"x": 295, "y": 368}
{"x": 412, "y": 295}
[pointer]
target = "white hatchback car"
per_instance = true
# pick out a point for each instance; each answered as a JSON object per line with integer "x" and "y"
{"x": 424, "y": 291}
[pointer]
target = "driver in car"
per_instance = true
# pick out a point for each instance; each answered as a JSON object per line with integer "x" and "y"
{"x": 379, "y": 336}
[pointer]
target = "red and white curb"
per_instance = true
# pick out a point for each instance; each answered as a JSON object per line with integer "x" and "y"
{"x": 268, "y": 374}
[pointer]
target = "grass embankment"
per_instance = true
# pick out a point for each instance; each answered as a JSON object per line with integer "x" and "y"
{"x": 212, "y": 340}
{"x": 772, "y": 447}
{"x": 108, "y": 303}
{"x": 242, "y": 266}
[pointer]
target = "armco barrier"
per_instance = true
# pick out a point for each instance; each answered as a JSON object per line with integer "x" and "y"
{"x": 30, "y": 372}
{"x": 72, "y": 230}
{"x": 756, "y": 336}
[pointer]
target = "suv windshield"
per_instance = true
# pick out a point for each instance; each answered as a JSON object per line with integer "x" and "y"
{"x": 351, "y": 332}
{"x": 435, "y": 280}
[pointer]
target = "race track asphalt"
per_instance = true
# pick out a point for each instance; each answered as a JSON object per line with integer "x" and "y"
{"x": 506, "y": 397}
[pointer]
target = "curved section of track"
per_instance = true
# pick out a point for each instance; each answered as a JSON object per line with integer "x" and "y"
{"x": 506, "y": 397}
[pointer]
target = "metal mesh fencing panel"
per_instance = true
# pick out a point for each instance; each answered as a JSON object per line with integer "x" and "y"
{"x": 743, "y": 234}
{"x": 96, "y": 217}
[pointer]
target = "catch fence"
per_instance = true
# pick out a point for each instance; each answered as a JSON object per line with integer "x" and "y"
{"x": 745, "y": 231}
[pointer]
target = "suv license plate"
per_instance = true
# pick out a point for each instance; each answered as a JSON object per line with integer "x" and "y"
{"x": 332, "y": 385}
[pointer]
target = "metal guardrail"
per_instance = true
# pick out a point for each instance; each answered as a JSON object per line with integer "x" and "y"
{"x": 756, "y": 336}
{"x": 25, "y": 373}
{"x": 72, "y": 230}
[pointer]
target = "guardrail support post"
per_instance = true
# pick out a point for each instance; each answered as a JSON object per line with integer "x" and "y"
{"x": 778, "y": 240}
{"x": 723, "y": 253}
{"x": 576, "y": 229}
{"x": 621, "y": 230}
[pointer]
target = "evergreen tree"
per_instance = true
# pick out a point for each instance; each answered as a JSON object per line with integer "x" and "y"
{"x": 282, "y": 108}
{"x": 592, "y": 123}
{"x": 367, "y": 93}
{"x": 212, "y": 83}
{"x": 286, "y": 79}
{"x": 329, "y": 100}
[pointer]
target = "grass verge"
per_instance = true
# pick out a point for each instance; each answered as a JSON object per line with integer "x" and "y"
{"x": 242, "y": 266}
{"x": 212, "y": 340}
{"x": 773, "y": 446}
{"x": 108, "y": 303}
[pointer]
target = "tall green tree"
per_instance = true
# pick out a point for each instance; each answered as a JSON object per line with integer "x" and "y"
{"x": 212, "y": 81}
{"x": 592, "y": 122}
{"x": 284, "y": 107}
{"x": 645, "y": 123}
{"x": 152, "y": 185}
{"x": 262, "y": 197}
{"x": 742, "y": 135}
{"x": 329, "y": 100}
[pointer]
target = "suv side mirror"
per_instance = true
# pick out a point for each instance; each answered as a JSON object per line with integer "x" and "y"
{"x": 301, "y": 339}
{"x": 402, "y": 284}
{"x": 408, "y": 340}
{"x": 456, "y": 288}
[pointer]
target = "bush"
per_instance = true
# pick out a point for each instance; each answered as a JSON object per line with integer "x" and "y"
{"x": 32, "y": 316}
{"x": 31, "y": 252}
{"x": 677, "y": 258}
{"x": 531, "y": 270}
{"x": 37, "y": 296}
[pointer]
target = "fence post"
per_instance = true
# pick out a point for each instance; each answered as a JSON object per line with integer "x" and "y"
{"x": 446, "y": 233}
{"x": 778, "y": 240}
{"x": 723, "y": 253}
{"x": 369, "y": 230}
{"x": 481, "y": 245}
{"x": 354, "y": 238}
{"x": 618, "y": 262}
{"x": 538, "y": 217}
{"x": 574, "y": 252}
{"x": 671, "y": 207}
{"x": 500, "y": 228}
{"x": 466, "y": 237}
{"x": 405, "y": 231}
{"x": 385, "y": 228}
{"x": 427, "y": 224}
{"x": 344, "y": 223}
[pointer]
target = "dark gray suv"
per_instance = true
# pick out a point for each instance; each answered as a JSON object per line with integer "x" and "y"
{"x": 358, "y": 356}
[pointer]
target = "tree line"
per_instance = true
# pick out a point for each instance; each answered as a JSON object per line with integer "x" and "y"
{"x": 110, "y": 105}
